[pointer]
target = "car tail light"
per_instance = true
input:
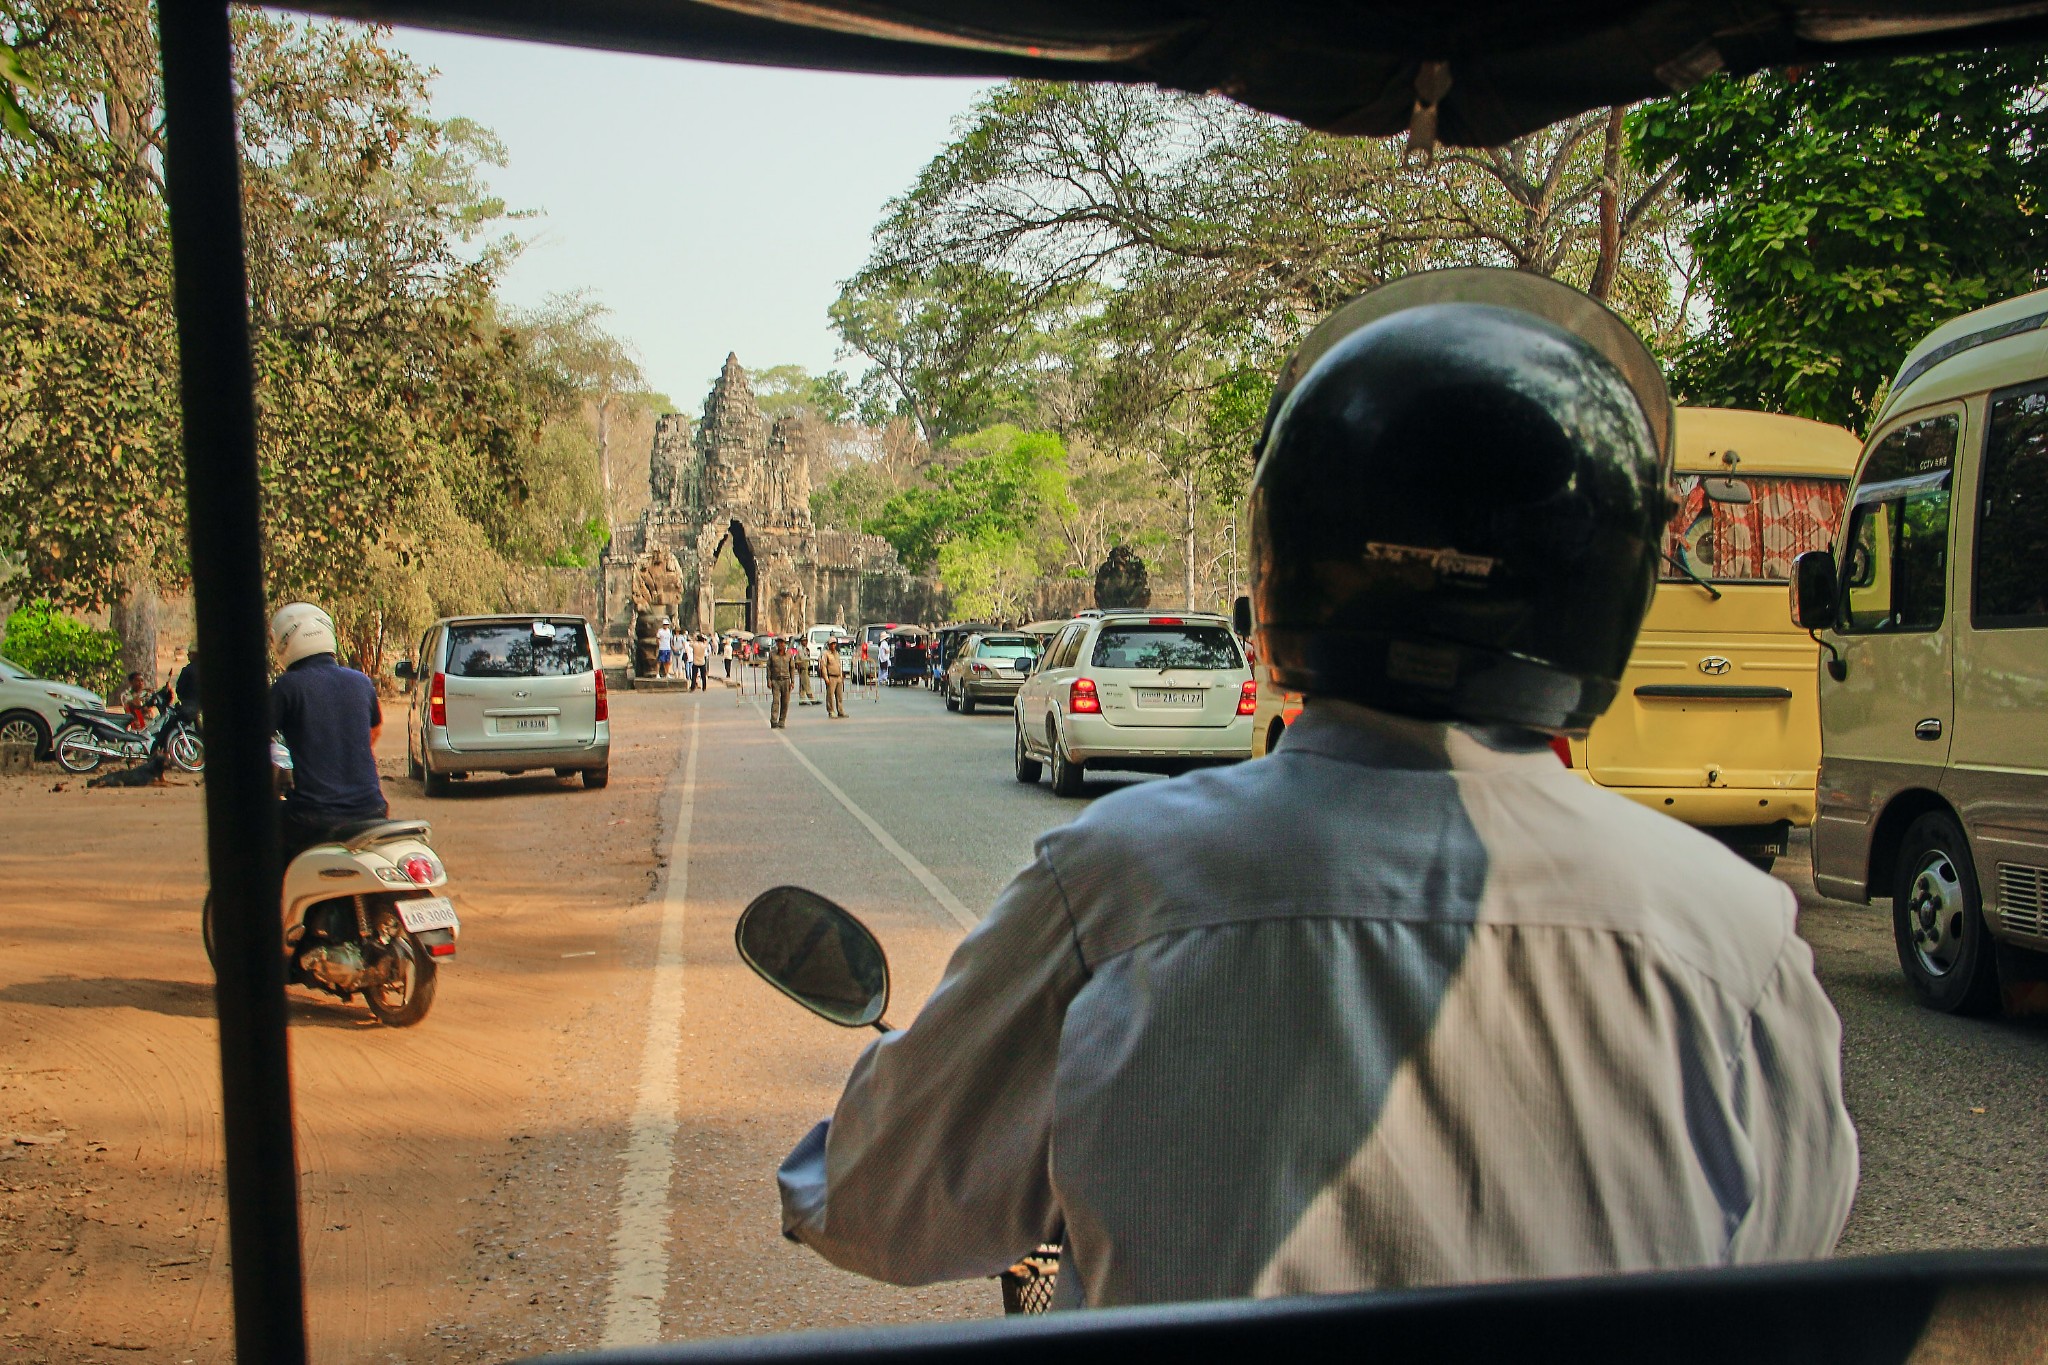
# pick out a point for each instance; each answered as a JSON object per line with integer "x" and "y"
{"x": 1562, "y": 747}
{"x": 1081, "y": 698}
{"x": 981, "y": 668}
{"x": 420, "y": 868}
{"x": 1165, "y": 621}
{"x": 604, "y": 705}
{"x": 437, "y": 701}
{"x": 1247, "y": 697}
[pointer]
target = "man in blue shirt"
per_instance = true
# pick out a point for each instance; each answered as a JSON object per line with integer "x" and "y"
{"x": 330, "y": 719}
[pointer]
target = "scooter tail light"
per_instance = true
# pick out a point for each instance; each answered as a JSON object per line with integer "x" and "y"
{"x": 420, "y": 868}
{"x": 1082, "y": 699}
{"x": 1247, "y": 697}
{"x": 441, "y": 950}
{"x": 437, "y": 700}
{"x": 604, "y": 705}
{"x": 1561, "y": 745}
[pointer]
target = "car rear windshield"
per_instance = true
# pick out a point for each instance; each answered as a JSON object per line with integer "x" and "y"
{"x": 518, "y": 649}
{"x": 1151, "y": 646}
{"x": 1755, "y": 541}
{"x": 1007, "y": 649}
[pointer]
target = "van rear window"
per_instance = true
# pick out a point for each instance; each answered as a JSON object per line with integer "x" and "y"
{"x": 518, "y": 649}
{"x": 1166, "y": 647}
{"x": 1754, "y": 541}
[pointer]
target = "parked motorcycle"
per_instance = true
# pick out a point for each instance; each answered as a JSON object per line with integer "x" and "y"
{"x": 818, "y": 954}
{"x": 89, "y": 737}
{"x": 362, "y": 914}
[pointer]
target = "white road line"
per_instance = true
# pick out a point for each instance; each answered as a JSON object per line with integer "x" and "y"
{"x": 640, "y": 1250}
{"x": 940, "y": 892}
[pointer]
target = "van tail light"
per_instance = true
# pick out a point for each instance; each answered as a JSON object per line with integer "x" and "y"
{"x": 1081, "y": 698}
{"x": 1247, "y": 698}
{"x": 1562, "y": 747}
{"x": 604, "y": 705}
{"x": 1165, "y": 621}
{"x": 437, "y": 701}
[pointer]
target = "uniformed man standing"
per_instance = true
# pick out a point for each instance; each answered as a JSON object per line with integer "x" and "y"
{"x": 803, "y": 677}
{"x": 832, "y": 669}
{"x": 782, "y": 665}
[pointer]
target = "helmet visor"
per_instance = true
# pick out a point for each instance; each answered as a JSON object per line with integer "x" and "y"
{"x": 1558, "y": 304}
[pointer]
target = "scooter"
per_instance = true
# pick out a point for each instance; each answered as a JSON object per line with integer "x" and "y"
{"x": 362, "y": 914}
{"x": 90, "y": 737}
{"x": 820, "y": 955}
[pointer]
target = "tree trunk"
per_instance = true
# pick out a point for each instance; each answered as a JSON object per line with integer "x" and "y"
{"x": 604, "y": 461}
{"x": 1609, "y": 263}
{"x": 1188, "y": 489}
{"x": 133, "y": 618}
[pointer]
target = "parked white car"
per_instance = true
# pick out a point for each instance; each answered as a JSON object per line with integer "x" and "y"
{"x": 32, "y": 708}
{"x": 1141, "y": 691}
{"x": 815, "y": 640}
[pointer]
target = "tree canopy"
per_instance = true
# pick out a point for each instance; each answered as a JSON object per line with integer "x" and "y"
{"x": 1845, "y": 211}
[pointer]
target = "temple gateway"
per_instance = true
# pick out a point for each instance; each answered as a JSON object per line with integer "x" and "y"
{"x": 740, "y": 489}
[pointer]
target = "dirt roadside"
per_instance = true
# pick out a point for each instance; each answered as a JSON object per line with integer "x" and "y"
{"x": 456, "y": 1178}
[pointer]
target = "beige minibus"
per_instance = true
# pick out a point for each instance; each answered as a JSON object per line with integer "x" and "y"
{"x": 1933, "y": 610}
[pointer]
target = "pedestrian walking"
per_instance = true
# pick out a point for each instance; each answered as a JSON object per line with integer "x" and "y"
{"x": 832, "y": 671}
{"x": 700, "y": 661}
{"x": 725, "y": 654}
{"x": 782, "y": 666}
{"x": 664, "y": 648}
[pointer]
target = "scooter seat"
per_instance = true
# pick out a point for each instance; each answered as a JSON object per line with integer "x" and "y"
{"x": 355, "y": 834}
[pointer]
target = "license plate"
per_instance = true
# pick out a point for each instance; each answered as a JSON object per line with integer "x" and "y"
{"x": 512, "y": 725}
{"x": 1155, "y": 697}
{"x": 428, "y": 912}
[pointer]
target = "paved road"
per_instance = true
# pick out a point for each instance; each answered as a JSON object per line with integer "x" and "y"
{"x": 587, "y": 1127}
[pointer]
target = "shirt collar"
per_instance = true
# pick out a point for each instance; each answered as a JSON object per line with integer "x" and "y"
{"x": 1352, "y": 733}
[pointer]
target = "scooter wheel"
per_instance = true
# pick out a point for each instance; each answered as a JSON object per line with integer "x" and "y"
{"x": 187, "y": 751}
{"x": 404, "y": 993}
{"x": 74, "y": 750}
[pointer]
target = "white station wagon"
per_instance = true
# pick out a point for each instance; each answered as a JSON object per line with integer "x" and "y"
{"x": 506, "y": 694}
{"x": 1140, "y": 691}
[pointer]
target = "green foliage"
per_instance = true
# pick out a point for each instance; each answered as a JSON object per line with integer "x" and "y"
{"x": 1846, "y": 211}
{"x": 784, "y": 389}
{"x": 991, "y": 574}
{"x": 50, "y": 644}
{"x": 418, "y": 449}
{"x": 998, "y": 482}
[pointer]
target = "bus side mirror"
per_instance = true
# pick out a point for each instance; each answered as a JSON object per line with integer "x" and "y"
{"x": 1815, "y": 590}
{"x": 1241, "y": 617}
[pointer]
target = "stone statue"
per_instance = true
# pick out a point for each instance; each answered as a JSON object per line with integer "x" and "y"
{"x": 1122, "y": 582}
{"x": 657, "y": 589}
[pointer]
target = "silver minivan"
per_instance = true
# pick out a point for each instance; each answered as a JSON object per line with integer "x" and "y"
{"x": 506, "y": 694}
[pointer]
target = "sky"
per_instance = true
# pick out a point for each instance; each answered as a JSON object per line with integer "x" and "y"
{"x": 712, "y": 208}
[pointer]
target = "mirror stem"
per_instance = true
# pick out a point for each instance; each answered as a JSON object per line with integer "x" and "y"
{"x": 881, "y": 1026}
{"x": 1838, "y": 667}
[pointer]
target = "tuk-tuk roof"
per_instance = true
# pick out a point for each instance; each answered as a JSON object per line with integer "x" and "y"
{"x": 1476, "y": 73}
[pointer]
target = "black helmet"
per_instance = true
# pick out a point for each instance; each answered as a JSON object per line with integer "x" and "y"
{"x": 1459, "y": 504}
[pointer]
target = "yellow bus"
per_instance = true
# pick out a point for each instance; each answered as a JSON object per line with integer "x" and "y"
{"x": 1717, "y": 721}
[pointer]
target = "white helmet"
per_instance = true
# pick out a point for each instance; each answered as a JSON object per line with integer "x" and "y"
{"x": 300, "y": 631}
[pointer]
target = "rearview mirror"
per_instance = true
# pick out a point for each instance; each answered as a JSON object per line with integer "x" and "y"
{"x": 816, "y": 953}
{"x": 1241, "y": 617}
{"x": 1727, "y": 490}
{"x": 402, "y": 670}
{"x": 1815, "y": 590}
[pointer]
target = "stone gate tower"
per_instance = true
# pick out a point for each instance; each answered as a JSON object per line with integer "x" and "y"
{"x": 742, "y": 486}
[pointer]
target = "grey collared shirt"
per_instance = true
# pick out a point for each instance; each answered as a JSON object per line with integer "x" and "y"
{"x": 1398, "y": 1005}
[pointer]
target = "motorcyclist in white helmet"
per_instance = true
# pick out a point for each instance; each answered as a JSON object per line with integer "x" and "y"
{"x": 330, "y": 719}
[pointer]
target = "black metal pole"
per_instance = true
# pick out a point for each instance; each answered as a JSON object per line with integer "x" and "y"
{"x": 202, "y": 177}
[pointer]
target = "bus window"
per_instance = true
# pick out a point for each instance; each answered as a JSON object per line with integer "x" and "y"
{"x": 2010, "y": 581}
{"x": 1754, "y": 541}
{"x": 1895, "y": 575}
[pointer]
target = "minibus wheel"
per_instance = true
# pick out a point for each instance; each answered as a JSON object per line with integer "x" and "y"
{"x": 1938, "y": 920}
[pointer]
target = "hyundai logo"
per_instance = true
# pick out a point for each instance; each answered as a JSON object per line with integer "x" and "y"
{"x": 1714, "y": 665}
